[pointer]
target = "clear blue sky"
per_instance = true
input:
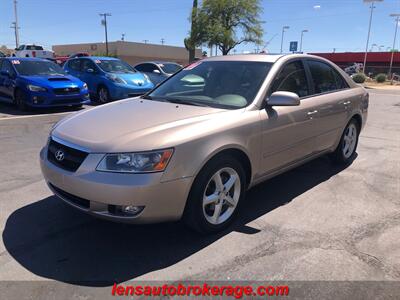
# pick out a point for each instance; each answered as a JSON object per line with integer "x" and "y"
{"x": 340, "y": 24}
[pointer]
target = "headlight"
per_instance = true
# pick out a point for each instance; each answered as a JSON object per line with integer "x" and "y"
{"x": 115, "y": 78}
{"x": 35, "y": 88}
{"x": 84, "y": 86}
{"x": 144, "y": 162}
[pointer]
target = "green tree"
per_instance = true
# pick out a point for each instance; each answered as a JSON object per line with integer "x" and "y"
{"x": 228, "y": 23}
{"x": 195, "y": 36}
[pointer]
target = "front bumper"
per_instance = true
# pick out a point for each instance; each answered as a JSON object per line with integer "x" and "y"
{"x": 48, "y": 99}
{"x": 122, "y": 91}
{"x": 162, "y": 201}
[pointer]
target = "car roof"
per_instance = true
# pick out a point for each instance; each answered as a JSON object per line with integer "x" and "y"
{"x": 99, "y": 57}
{"x": 25, "y": 58}
{"x": 158, "y": 62}
{"x": 271, "y": 58}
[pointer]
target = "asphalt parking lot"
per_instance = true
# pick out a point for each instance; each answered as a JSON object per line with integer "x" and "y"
{"x": 317, "y": 222}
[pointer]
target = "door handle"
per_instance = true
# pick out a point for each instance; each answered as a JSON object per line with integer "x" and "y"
{"x": 310, "y": 113}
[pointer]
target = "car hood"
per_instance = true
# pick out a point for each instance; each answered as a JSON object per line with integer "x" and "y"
{"x": 54, "y": 81}
{"x": 136, "y": 79}
{"x": 133, "y": 125}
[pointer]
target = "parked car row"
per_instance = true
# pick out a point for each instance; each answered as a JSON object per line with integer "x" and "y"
{"x": 37, "y": 82}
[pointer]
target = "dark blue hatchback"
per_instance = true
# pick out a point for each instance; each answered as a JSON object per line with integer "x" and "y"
{"x": 35, "y": 82}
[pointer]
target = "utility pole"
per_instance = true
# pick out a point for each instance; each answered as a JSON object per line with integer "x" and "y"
{"x": 394, "y": 43}
{"x": 104, "y": 23}
{"x": 369, "y": 30}
{"x": 301, "y": 38}
{"x": 15, "y": 25}
{"x": 162, "y": 41}
{"x": 145, "y": 41}
{"x": 283, "y": 33}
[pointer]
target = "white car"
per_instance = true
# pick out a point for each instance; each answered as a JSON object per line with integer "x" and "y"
{"x": 33, "y": 51}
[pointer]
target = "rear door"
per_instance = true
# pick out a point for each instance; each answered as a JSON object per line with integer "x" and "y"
{"x": 333, "y": 98}
{"x": 288, "y": 132}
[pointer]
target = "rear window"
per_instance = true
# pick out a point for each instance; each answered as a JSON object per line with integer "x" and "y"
{"x": 33, "y": 47}
{"x": 325, "y": 78}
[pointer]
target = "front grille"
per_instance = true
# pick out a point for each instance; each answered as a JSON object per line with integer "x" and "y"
{"x": 72, "y": 158}
{"x": 71, "y": 198}
{"x": 66, "y": 91}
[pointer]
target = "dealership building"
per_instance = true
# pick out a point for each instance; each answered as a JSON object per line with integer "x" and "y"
{"x": 130, "y": 52}
{"x": 377, "y": 62}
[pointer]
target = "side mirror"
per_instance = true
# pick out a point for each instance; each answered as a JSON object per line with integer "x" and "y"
{"x": 5, "y": 73}
{"x": 89, "y": 71}
{"x": 157, "y": 71}
{"x": 283, "y": 99}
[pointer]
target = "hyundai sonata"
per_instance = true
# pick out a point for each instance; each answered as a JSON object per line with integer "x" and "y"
{"x": 191, "y": 147}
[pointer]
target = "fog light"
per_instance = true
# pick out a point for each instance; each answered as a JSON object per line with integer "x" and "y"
{"x": 35, "y": 99}
{"x": 132, "y": 210}
{"x": 125, "y": 210}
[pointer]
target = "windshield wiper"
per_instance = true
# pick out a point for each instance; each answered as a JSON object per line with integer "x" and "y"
{"x": 189, "y": 102}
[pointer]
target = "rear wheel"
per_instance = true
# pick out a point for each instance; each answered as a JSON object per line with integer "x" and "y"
{"x": 346, "y": 150}
{"x": 103, "y": 96}
{"x": 215, "y": 195}
{"x": 20, "y": 100}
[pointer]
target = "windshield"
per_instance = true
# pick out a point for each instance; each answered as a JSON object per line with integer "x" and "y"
{"x": 31, "y": 68}
{"x": 224, "y": 84}
{"x": 170, "y": 68}
{"x": 114, "y": 66}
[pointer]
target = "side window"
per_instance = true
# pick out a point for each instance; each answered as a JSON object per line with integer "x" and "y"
{"x": 88, "y": 64}
{"x": 292, "y": 78}
{"x": 6, "y": 66}
{"x": 149, "y": 68}
{"x": 74, "y": 64}
{"x": 325, "y": 78}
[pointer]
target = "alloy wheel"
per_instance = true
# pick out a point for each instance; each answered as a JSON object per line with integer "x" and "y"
{"x": 349, "y": 140}
{"x": 221, "y": 196}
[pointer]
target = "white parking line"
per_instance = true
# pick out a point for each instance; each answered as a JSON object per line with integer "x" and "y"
{"x": 34, "y": 116}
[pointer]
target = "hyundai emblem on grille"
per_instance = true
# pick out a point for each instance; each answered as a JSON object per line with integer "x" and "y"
{"x": 59, "y": 155}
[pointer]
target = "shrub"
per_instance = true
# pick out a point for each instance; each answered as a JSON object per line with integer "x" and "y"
{"x": 380, "y": 78}
{"x": 359, "y": 78}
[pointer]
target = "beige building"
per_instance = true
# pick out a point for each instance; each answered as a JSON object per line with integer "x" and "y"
{"x": 130, "y": 52}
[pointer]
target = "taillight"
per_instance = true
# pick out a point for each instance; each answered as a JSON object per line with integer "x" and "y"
{"x": 34, "y": 53}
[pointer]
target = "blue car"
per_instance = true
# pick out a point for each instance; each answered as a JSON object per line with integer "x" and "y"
{"x": 35, "y": 82}
{"x": 109, "y": 78}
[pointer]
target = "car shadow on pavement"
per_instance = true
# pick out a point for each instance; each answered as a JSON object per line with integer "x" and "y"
{"x": 54, "y": 241}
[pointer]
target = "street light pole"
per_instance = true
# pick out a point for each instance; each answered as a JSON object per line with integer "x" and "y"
{"x": 301, "y": 38}
{"x": 283, "y": 33}
{"x": 104, "y": 22}
{"x": 369, "y": 29}
{"x": 15, "y": 25}
{"x": 394, "y": 42}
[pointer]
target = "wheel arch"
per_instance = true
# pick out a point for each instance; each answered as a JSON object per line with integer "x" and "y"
{"x": 237, "y": 152}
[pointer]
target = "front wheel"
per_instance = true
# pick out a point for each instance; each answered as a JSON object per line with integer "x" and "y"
{"x": 346, "y": 150}
{"x": 215, "y": 195}
{"x": 103, "y": 95}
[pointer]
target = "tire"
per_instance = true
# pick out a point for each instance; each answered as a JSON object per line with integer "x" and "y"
{"x": 346, "y": 150}
{"x": 103, "y": 96}
{"x": 20, "y": 100}
{"x": 223, "y": 205}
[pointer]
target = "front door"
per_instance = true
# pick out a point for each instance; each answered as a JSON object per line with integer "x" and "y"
{"x": 288, "y": 132}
